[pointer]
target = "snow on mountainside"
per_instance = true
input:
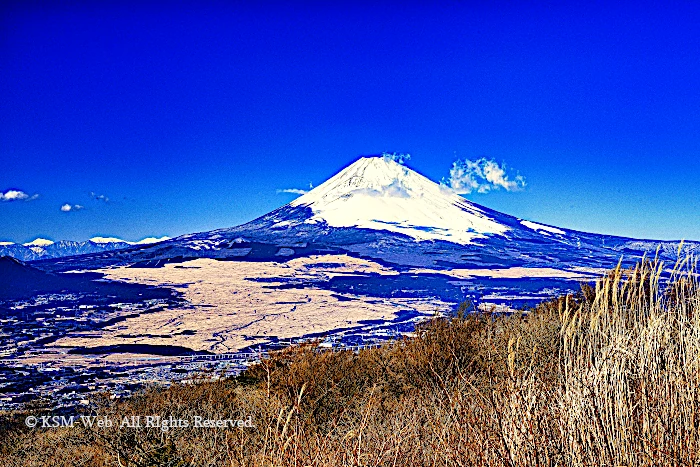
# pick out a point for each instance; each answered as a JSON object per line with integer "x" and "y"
{"x": 381, "y": 194}
{"x": 149, "y": 240}
{"x": 539, "y": 227}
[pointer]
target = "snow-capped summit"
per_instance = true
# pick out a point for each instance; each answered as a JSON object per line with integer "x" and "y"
{"x": 379, "y": 193}
{"x": 145, "y": 241}
{"x": 107, "y": 240}
{"x": 41, "y": 242}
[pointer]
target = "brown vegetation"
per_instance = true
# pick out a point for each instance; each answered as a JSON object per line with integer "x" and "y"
{"x": 609, "y": 377}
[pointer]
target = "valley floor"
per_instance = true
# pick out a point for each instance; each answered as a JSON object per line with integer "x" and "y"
{"x": 60, "y": 347}
{"x": 605, "y": 377}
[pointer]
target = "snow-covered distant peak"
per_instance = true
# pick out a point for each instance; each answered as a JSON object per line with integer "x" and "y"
{"x": 149, "y": 240}
{"x": 102, "y": 240}
{"x": 379, "y": 193}
{"x": 39, "y": 242}
{"x": 45, "y": 249}
{"x": 145, "y": 241}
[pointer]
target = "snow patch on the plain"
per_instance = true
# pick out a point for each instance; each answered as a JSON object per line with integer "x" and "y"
{"x": 537, "y": 227}
{"x": 381, "y": 194}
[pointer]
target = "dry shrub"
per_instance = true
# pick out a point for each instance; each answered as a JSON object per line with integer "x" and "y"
{"x": 609, "y": 376}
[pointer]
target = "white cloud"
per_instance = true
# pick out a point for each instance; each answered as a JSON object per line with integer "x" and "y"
{"x": 396, "y": 157}
{"x": 482, "y": 176}
{"x": 97, "y": 197}
{"x": 16, "y": 195}
{"x": 295, "y": 191}
{"x": 68, "y": 208}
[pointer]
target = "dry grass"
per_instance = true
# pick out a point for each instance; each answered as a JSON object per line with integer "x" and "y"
{"x": 228, "y": 311}
{"x": 608, "y": 377}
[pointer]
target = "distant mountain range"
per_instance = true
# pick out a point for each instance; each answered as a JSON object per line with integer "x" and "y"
{"x": 42, "y": 248}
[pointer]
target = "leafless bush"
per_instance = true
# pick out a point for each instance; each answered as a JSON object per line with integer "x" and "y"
{"x": 610, "y": 376}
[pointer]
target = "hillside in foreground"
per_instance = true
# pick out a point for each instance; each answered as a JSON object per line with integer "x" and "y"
{"x": 608, "y": 376}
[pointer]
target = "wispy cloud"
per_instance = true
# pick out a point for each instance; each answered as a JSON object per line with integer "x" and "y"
{"x": 295, "y": 191}
{"x": 399, "y": 157}
{"x": 481, "y": 176}
{"x": 97, "y": 197}
{"x": 17, "y": 195}
{"x": 71, "y": 207}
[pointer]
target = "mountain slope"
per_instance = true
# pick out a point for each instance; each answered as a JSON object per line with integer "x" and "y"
{"x": 378, "y": 209}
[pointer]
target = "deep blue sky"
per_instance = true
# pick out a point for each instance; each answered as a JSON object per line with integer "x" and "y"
{"x": 191, "y": 118}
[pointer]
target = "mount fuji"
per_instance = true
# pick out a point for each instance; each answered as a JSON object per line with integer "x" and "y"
{"x": 381, "y": 210}
{"x": 380, "y": 194}
{"x": 366, "y": 255}
{"x": 361, "y": 258}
